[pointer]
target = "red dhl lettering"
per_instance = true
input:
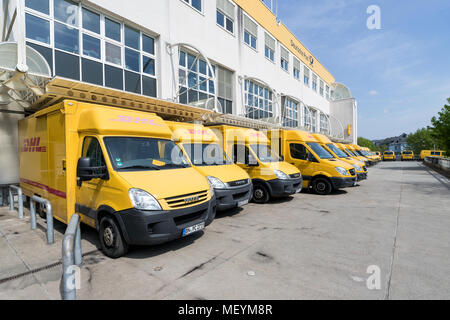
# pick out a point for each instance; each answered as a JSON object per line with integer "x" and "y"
{"x": 33, "y": 145}
{"x": 137, "y": 120}
{"x": 202, "y": 132}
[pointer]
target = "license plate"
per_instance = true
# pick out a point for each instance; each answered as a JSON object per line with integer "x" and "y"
{"x": 197, "y": 227}
{"x": 242, "y": 203}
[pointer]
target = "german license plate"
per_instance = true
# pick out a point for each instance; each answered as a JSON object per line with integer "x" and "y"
{"x": 195, "y": 228}
{"x": 242, "y": 203}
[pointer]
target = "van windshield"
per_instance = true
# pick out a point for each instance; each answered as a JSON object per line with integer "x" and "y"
{"x": 264, "y": 153}
{"x": 144, "y": 154}
{"x": 206, "y": 154}
{"x": 389, "y": 153}
{"x": 407, "y": 152}
{"x": 351, "y": 153}
{"x": 337, "y": 151}
{"x": 320, "y": 151}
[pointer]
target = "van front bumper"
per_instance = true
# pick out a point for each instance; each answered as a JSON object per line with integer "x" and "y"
{"x": 283, "y": 188}
{"x": 230, "y": 198}
{"x": 361, "y": 176}
{"x": 339, "y": 183}
{"x": 154, "y": 227}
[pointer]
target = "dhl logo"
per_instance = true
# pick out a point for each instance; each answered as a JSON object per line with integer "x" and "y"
{"x": 137, "y": 120}
{"x": 33, "y": 145}
{"x": 257, "y": 134}
{"x": 199, "y": 131}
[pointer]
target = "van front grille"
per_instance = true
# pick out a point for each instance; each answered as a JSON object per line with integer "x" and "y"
{"x": 238, "y": 183}
{"x": 187, "y": 199}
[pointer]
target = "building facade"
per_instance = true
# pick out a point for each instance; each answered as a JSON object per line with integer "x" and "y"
{"x": 235, "y": 57}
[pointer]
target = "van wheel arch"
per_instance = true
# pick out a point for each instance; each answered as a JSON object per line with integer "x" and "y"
{"x": 103, "y": 211}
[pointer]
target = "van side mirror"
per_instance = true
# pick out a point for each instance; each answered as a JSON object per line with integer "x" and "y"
{"x": 86, "y": 172}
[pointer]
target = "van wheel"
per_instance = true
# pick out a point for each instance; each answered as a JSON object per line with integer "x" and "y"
{"x": 322, "y": 186}
{"x": 111, "y": 239}
{"x": 260, "y": 194}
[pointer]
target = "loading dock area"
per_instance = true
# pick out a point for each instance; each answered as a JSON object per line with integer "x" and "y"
{"x": 304, "y": 247}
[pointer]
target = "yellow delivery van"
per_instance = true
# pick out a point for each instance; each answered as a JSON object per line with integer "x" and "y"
{"x": 321, "y": 171}
{"x": 118, "y": 168}
{"x": 251, "y": 150}
{"x": 388, "y": 156}
{"x": 232, "y": 185}
{"x": 352, "y": 154}
{"x": 327, "y": 144}
{"x": 357, "y": 149}
{"x": 431, "y": 153}
{"x": 407, "y": 155}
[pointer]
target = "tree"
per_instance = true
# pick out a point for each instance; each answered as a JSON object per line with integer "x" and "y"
{"x": 420, "y": 140}
{"x": 441, "y": 127}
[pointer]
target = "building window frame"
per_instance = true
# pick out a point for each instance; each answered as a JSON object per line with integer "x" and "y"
{"x": 291, "y": 113}
{"x": 190, "y": 5}
{"x": 226, "y": 18}
{"x": 249, "y": 37}
{"x": 258, "y": 97}
{"x": 269, "y": 52}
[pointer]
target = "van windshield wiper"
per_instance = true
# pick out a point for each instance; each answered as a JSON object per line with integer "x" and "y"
{"x": 140, "y": 166}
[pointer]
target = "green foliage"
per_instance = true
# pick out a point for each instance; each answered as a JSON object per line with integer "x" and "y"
{"x": 420, "y": 140}
{"x": 441, "y": 127}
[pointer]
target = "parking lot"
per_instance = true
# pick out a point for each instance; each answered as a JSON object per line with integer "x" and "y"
{"x": 304, "y": 247}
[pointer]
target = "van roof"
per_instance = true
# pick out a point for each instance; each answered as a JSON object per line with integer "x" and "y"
{"x": 298, "y": 135}
{"x": 191, "y": 132}
{"x": 322, "y": 138}
{"x": 245, "y": 135}
{"x": 106, "y": 120}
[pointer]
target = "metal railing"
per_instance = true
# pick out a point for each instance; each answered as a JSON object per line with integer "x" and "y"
{"x": 49, "y": 218}
{"x": 19, "y": 200}
{"x": 71, "y": 257}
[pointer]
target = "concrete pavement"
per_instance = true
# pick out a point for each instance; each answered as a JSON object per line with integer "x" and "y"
{"x": 303, "y": 247}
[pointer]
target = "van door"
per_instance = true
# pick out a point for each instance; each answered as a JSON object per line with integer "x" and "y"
{"x": 298, "y": 155}
{"x": 242, "y": 156}
{"x": 89, "y": 193}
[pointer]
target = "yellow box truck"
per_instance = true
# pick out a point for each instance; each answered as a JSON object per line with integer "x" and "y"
{"x": 327, "y": 144}
{"x": 118, "y": 168}
{"x": 251, "y": 150}
{"x": 232, "y": 185}
{"x": 321, "y": 171}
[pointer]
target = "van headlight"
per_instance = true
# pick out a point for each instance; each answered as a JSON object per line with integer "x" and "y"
{"x": 216, "y": 183}
{"x": 357, "y": 168}
{"x": 342, "y": 171}
{"x": 281, "y": 175}
{"x": 142, "y": 200}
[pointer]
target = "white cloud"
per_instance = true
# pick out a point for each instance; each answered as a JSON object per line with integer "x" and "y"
{"x": 373, "y": 92}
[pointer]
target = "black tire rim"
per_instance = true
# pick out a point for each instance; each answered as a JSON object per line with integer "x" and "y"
{"x": 321, "y": 186}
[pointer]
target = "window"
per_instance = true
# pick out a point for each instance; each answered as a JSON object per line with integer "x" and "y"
{"x": 313, "y": 121}
{"x": 225, "y": 15}
{"x": 194, "y": 78}
{"x": 321, "y": 87}
{"x": 306, "y": 117}
{"x": 269, "y": 47}
{"x": 250, "y": 32}
{"x": 197, "y": 4}
{"x": 284, "y": 53}
{"x": 290, "y": 116}
{"x": 327, "y": 92}
{"x": 323, "y": 123}
{"x": 258, "y": 101}
{"x": 298, "y": 151}
{"x": 93, "y": 151}
{"x": 88, "y": 46}
{"x": 314, "y": 82}
{"x": 225, "y": 89}
{"x": 306, "y": 76}
{"x": 297, "y": 68}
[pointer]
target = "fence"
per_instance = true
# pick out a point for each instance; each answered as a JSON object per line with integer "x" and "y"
{"x": 441, "y": 164}
{"x": 71, "y": 257}
{"x": 19, "y": 200}
{"x": 49, "y": 217}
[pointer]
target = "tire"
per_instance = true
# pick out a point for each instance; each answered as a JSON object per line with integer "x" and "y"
{"x": 322, "y": 186}
{"x": 40, "y": 211}
{"x": 111, "y": 240}
{"x": 260, "y": 194}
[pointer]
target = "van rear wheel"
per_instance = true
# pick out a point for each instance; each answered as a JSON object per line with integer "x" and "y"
{"x": 111, "y": 240}
{"x": 322, "y": 186}
{"x": 260, "y": 194}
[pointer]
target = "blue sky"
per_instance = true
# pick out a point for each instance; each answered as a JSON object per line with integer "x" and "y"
{"x": 400, "y": 74}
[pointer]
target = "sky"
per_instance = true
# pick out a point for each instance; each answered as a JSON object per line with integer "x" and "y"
{"x": 399, "y": 74}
